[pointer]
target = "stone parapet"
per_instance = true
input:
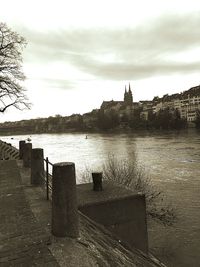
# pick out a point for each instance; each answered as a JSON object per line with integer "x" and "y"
{"x": 7, "y": 151}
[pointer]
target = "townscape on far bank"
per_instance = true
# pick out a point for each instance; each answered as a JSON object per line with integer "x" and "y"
{"x": 175, "y": 111}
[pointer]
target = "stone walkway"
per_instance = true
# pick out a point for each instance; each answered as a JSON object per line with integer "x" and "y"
{"x": 25, "y": 231}
{"x": 23, "y": 242}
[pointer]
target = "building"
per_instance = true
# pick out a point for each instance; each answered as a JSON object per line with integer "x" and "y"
{"x": 117, "y": 105}
{"x": 123, "y": 108}
{"x": 187, "y": 103}
{"x": 146, "y": 109}
{"x": 128, "y": 97}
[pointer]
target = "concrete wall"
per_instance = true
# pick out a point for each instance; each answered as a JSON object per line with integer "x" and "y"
{"x": 125, "y": 217}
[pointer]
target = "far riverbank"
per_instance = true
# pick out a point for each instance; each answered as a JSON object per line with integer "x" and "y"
{"x": 14, "y": 132}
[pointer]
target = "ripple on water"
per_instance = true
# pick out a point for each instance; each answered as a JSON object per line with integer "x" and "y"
{"x": 172, "y": 162}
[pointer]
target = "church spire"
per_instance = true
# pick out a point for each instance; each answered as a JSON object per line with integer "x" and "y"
{"x": 125, "y": 94}
{"x": 128, "y": 97}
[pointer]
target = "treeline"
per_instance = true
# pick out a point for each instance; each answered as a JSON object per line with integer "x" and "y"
{"x": 99, "y": 120}
{"x": 167, "y": 119}
{"x": 197, "y": 122}
{"x": 164, "y": 119}
{"x": 52, "y": 124}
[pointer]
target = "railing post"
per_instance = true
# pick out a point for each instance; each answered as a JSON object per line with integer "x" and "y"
{"x": 64, "y": 201}
{"x": 47, "y": 177}
{"x": 27, "y": 155}
{"x": 21, "y": 148}
{"x": 37, "y": 166}
{"x": 97, "y": 181}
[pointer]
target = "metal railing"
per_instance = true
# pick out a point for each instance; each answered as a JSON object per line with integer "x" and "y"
{"x": 48, "y": 177}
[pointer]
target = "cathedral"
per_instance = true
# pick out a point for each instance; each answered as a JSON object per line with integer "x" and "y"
{"x": 128, "y": 96}
{"x": 116, "y": 105}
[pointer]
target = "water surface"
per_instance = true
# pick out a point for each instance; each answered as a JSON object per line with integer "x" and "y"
{"x": 170, "y": 159}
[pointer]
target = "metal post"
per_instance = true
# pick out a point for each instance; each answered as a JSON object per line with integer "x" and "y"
{"x": 97, "y": 181}
{"x": 47, "y": 177}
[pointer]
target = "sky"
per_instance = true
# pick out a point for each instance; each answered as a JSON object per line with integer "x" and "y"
{"x": 80, "y": 53}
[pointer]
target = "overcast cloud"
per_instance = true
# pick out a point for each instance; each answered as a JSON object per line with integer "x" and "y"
{"x": 121, "y": 54}
{"x": 79, "y": 54}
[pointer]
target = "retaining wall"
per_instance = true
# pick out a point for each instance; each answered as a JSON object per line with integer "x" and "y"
{"x": 125, "y": 217}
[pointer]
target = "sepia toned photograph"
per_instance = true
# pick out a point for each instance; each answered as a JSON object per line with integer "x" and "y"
{"x": 100, "y": 133}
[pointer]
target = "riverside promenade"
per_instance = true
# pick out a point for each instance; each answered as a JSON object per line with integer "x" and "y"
{"x": 25, "y": 230}
{"x": 23, "y": 242}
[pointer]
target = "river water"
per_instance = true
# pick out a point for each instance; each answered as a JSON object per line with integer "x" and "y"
{"x": 172, "y": 160}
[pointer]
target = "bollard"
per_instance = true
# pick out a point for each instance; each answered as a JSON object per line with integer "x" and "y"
{"x": 27, "y": 155}
{"x": 37, "y": 166}
{"x": 64, "y": 201}
{"x": 21, "y": 148}
{"x": 97, "y": 181}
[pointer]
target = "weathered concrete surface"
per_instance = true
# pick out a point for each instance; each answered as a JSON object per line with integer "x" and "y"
{"x": 64, "y": 201}
{"x": 7, "y": 151}
{"x": 37, "y": 166}
{"x": 25, "y": 228}
{"x": 120, "y": 210}
{"x": 22, "y": 241}
{"x": 95, "y": 247}
{"x": 86, "y": 195}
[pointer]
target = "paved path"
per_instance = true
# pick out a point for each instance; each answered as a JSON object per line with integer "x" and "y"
{"x": 25, "y": 231}
{"x": 23, "y": 242}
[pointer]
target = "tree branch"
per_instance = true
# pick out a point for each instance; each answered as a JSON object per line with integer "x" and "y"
{"x": 11, "y": 75}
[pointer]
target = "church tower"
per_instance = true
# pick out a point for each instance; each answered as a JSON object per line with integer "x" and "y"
{"x": 125, "y": 95}
{"x": 128, "y": 96}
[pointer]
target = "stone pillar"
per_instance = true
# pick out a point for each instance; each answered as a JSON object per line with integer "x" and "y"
{"x": 37, "y": 166}
{"x": 21, "y": 148}
{"x": 64, "y": 201}
{"x": 97, "y": 181}
{"x": 27, "y": 155}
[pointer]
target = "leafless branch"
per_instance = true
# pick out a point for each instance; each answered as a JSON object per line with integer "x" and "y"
{"x": 129, "y": 174}
{"x": 12, "y": 93}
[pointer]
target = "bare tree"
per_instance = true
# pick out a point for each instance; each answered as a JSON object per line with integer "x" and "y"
{"x": 130, "y": 174}
{"x": 12, "y": 93}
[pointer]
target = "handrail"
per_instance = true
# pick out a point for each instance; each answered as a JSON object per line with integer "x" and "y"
{"x": 48, "y": 161}
{"x": 48, "y": 175}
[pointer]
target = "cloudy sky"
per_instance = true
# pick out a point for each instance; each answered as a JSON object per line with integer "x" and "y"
{"x": 80, "y": 53}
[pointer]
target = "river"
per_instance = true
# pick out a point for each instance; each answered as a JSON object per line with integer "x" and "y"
{"x": 172, "y": 160}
